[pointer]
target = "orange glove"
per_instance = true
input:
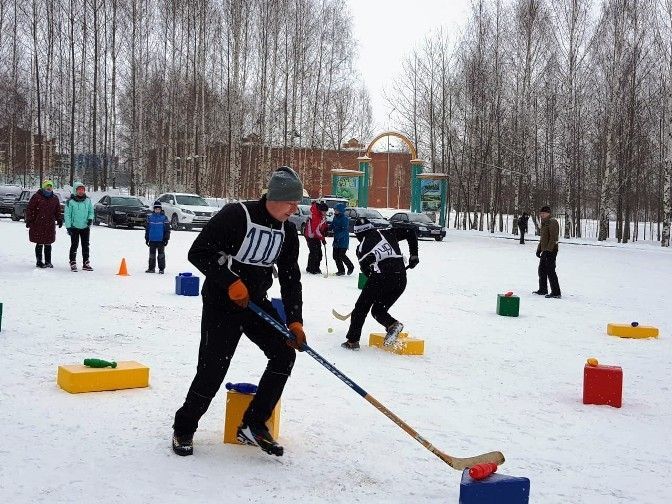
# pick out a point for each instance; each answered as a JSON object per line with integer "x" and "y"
{"x": 299, "y": 336}
{"x": 238, "y": 293}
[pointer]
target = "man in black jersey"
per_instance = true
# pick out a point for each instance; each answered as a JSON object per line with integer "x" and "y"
{"x": 381, "y": 261}
{"x": 237, "y": 251}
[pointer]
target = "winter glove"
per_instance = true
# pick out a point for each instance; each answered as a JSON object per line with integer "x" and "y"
{"x": 147, "y": 242}
{"x": 545, "y": 254}
{"x": 538, "y": 254}
{"x": 413, "y": 261}
{"x": 28, "y": 224}
{"x": 299, "y": 340}
{"x": 238, "y": 293}
{"x": 89, "y": 222}
{"x": 60, "y": 224}
{"x": 69, "y": 231}
{"x": 165, "y": 243}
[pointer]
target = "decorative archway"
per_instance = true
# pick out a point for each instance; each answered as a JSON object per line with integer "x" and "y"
{"x": 395, "y": 134}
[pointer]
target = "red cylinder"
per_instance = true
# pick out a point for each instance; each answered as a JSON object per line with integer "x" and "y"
{"x": 481, "y": 471}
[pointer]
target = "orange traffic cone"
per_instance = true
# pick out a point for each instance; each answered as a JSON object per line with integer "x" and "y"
{"x": 122, "y": 268}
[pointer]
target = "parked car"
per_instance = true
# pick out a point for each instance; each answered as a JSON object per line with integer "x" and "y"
{"x": 120, "y": 211}
{"x": 8, "y": 195}
{"x": 421, "y": 223}
{"x": 186, "y": 210}
{"x": 374, "y": 216}
{"x": 21, "y": 204}
{"x": 300, "y": 217}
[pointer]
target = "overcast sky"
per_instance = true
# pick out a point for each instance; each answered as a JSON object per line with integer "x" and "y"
{"x": 387, "y": 31}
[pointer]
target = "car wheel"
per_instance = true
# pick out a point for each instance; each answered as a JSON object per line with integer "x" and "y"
{"x": 110, "y": 222}
{"x": 15, "y": 217}
{"x": 438, "y": 238}
{"x": 130, "y": 226}
{"x": 174, "y": 223}
{"x": 188, "y": 227}
{"x": 96, "y": 221}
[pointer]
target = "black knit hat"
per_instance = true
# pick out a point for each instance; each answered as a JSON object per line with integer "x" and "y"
{"x": 362, "y": 225}
{"x": 545, "y": 208}
{"x": 157, "y": 204}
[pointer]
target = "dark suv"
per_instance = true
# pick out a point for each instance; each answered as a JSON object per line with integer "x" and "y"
{"x": 424, "y": 226}
{"x": 374, "y": 216}
{"x": 21, "y": 203}
{"x": 120, "y": 211}
{"x": 8, "y": 195}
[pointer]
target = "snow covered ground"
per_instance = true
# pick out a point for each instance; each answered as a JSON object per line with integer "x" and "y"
{"x": 485, "y": 383}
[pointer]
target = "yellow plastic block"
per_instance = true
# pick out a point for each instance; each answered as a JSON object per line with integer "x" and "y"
{"x": 627, "y": 331}
{"x": 77, "y": 378}
{"x": 404, "y": 345}
{"x": 236, "y": 405}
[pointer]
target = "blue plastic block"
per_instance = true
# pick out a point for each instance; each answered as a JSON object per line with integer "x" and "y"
{"x": 495, "y": 489}
{"x": 186, "y": 284}
{"x": 280, "y": 308}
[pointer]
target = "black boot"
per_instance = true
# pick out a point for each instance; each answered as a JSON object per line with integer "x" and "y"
{"x": 183, "y": 445}
{"x": 47, "y": 257}
{"x": 38, "y": 256}
{"x": 259, "y": 436}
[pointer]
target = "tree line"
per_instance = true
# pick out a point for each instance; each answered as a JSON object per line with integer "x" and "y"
{"x": 178, "y": 86}
{"x": 567, "y": 103}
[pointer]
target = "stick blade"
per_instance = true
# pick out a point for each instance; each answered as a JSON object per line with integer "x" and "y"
{"x": 494, "y": 457}
{"x": 339, "y": 316}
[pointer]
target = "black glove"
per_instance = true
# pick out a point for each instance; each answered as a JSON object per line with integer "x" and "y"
{"x": 69, "y": 231}
{"x": 89, "y": 222}
{"x": 545, "y": 254}
{"x": 27, "y": 224}
{"x": 60, "y": 224}
{"x": 165, "y": 243}
{"x": 538, "y": 254}
{"x": 147, "y": 242}
{"x": 413, "y": 261}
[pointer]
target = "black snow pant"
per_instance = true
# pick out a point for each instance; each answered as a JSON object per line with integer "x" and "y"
{"x": 340, "y": 257}
{"x": 75, "y": 235}
{"x": 314, "y": 255}
{"x": 547, "y": 272}
{"x": 155, "y": 247}
{"x": 378, "y": 295}
{"x": 47, "y": 253}
{"x": 522, "y": 230}
{"x": 220, "y": 333}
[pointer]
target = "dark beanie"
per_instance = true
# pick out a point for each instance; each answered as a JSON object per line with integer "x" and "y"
{"x": 545, "y": 208}
{"x": 284, "y": 185}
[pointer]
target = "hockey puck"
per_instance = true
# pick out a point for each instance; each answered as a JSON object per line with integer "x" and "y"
{"x": 634, "y": 324}
{"x": 330, "y": 330}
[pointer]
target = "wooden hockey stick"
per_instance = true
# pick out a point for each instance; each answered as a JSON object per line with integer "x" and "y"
{"x": 458, "y": 463}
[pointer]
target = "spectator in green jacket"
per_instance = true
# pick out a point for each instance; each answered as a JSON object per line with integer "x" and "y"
{"x": 78, "y": 220}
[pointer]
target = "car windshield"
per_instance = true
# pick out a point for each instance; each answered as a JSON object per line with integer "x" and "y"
{"x": 369, "y": 214}
{"x": 331, "y": 203}
{"x": 129, "y": 202}
{"x": 419, "y": 217}
{"x": 190, "y": 200}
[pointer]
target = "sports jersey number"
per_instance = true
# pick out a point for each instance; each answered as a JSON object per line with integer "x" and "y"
{"x": 263, "y": 246}
{"x": 383, "y": 250}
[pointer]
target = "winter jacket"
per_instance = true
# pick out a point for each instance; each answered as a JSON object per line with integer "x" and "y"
{"x": 42, "y": 215}
{"x": 379, "y": 252}
{"x": 340, "y": 226}
{"x": 522, "y": 223}
{"x": 226, "y": 236}
{"x": 158, "y": 228}
{"x": 78, "y": 212}
{"x": 316, "y": 225}
{"x": 550, "y": 232}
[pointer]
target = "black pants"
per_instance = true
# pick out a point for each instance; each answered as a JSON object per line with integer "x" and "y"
{"x": 75, "y": 235}
{"x": 547, "y": 272}
{"x": 47, "y": 253}
{"x": 220, "y": 333}
{"x": 378, "y": 295}
{"x": 522, "y": 232}
{"x": 155, "y": 247}
{"x": 314, "y": 255}
{"x": 340, "y": 257}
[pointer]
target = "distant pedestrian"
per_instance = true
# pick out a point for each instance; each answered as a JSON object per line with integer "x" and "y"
{"x": 78, "y": 220}
{"x": 547, "y": 252}
{"x": 157, "y": 234}
{"x": 42, "y": 216}
{"x": 522, "y": 226}
{"x": 340, "y": 226}
{"x": 315, "y": 233}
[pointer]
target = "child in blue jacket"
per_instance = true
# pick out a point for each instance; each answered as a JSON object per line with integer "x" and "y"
{"x": 340, "y": 227}
{"x": 157, "y": 234}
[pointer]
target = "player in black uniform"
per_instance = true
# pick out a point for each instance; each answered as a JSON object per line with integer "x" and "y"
{"x": 381, "y": 261}
{"x": 237, "y": 251}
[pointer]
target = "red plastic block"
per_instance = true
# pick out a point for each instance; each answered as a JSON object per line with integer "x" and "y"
{"x": 602, "y": 385}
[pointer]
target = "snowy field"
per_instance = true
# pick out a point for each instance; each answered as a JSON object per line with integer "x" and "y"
{"x": 485, "y": 383}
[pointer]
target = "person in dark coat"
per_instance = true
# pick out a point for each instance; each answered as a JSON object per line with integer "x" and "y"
{"x": 42, "y": 215}
{"x": 157, "y": 234}
{"x": 522, "y": 226}
{"x": 340, "y": 226}
{"x": 381, "y": 261}
{"x": 547, "y": 252}
{"x": 315, "y": 233}
{"x": 237, "y": 251}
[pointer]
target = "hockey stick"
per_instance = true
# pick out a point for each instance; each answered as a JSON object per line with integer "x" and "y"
{"x": 339, "y": 316}
{"x": 458, "y": 463}
{"x": 326, "y": 262}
